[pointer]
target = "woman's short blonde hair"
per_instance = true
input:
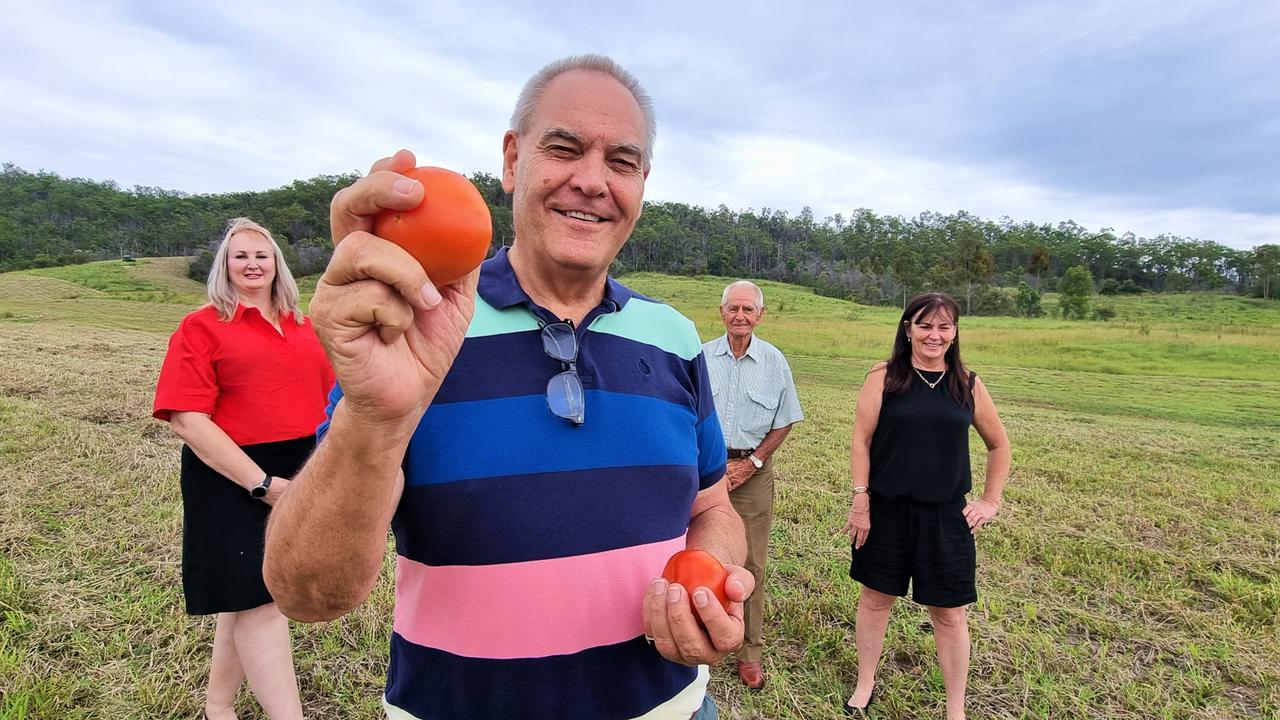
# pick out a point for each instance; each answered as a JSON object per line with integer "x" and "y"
{"x": 223, "y": 295}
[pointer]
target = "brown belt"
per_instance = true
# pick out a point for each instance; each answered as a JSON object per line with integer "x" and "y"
{"x": 739, "y": 454}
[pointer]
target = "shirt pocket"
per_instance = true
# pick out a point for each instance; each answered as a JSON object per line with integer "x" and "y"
{"x": 761, "y": 408}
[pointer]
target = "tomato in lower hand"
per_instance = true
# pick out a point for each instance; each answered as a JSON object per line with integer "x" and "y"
{"x": 694, "y": 569}
{"x": 448, "y": 233}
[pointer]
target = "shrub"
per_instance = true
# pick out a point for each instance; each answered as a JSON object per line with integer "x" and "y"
{"x": 1074, "y": 290}
{"x": 1027, "y": 301}
{"x": 1177, "y": 282}
{"x": 199, "y": 267}
{"x": 989, "y": 300}
{"x": 313, "y": 259}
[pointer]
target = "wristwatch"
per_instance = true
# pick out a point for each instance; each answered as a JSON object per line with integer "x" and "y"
{"x": 260, "y": 491}
{"x": 755, "y": 461}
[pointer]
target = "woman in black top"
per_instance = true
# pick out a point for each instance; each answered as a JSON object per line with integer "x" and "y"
{"x": 910, "y": 467}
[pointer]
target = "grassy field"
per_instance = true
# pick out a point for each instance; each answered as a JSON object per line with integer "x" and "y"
{"x": 1134, "y": 572}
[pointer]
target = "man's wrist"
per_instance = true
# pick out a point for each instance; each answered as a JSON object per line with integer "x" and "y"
{"x": 993, "y": 502}
{"x": 378, "y": 434}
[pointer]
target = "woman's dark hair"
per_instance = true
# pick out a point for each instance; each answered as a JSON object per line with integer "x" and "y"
{"x": 899, "y": 375}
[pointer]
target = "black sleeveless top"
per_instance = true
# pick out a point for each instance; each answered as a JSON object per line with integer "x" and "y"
{"x": 920, "y": 450}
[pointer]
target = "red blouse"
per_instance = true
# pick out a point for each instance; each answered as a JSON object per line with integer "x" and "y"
{"x": 257, "y": 385}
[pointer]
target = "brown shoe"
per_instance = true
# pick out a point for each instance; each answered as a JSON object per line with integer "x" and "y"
{"x": 751, "y": 674}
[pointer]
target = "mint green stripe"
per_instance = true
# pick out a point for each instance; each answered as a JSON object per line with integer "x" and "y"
{"x": 491, "y": 321}
{"x": 653, "y": 324}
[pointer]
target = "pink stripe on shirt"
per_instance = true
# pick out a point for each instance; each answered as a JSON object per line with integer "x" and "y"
{"x": 528, "y": 609}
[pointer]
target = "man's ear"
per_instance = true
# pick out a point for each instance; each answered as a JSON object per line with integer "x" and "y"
{"x": 510, "y": 154}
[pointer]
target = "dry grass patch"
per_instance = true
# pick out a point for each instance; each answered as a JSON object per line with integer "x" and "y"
{"x": 90, "y": 581}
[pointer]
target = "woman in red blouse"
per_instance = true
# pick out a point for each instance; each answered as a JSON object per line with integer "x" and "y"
{"x": 244, "y": 384}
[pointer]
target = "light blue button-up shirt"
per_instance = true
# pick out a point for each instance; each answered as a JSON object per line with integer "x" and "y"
{"x": 753, "y": 394}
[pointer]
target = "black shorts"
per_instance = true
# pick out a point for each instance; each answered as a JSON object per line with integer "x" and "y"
{"x": 925, "y": 544}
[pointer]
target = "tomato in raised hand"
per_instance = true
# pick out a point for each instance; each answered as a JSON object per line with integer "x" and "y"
{"x": 448, "y": 233}
{"x": 694, "y": 569}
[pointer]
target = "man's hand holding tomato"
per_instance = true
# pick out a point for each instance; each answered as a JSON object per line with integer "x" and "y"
{"x": 390, "y": 333}
{"x": 391, "y": 336}
{"x": 670, "y": 621}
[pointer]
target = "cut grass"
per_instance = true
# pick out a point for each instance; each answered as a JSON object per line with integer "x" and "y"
{"x": 1132, "y": 574}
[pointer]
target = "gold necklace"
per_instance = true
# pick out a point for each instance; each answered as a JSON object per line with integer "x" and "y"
{"x": 933, "y": 384}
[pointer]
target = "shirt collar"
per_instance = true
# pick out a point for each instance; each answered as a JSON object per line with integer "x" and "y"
{"x": 501, "y": 289}
{"x": 242, "y": 309}
{"x": 722, "y": 348}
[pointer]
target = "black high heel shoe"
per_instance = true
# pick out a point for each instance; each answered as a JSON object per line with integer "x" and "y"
{"x": 859, "y": 711}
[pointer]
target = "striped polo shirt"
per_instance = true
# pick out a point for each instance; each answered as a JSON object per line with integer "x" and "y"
{"x": 525, "y": 544}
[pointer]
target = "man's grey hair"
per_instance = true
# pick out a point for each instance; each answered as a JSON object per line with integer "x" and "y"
{"x": 537, "y": 85}
{"x": 724, "y": 297}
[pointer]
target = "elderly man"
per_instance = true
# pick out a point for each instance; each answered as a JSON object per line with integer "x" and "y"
{"x": 756, "y": 400}
{"x": 539, "y": 438}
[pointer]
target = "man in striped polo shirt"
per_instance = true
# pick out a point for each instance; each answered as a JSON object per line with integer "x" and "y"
{"x": 540, "y": 439}
{"x": 757, "y": 404}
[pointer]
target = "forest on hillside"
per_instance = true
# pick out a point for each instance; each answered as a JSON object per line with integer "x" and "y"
{"x": 48, "y": 220}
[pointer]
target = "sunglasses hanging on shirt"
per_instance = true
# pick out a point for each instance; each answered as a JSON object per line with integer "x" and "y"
{"x": 564, "y": 391}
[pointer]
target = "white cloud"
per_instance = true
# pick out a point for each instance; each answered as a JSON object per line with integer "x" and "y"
{"x": 828, "y": 105}
{"x": 785, "y": 173}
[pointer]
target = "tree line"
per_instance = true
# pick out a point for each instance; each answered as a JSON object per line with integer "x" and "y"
{"x": 48, "y": 220}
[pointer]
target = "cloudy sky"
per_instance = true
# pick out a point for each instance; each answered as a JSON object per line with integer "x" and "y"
{"x": 1150, "y": 117}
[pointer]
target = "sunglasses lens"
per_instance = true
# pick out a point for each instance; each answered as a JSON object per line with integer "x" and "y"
{"x": 564, "y": 396}
{"x": 559, "y": 342}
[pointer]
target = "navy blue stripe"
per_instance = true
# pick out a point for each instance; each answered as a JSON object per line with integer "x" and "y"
{"x": 614, "y": 682}
{"x": 711, "y": 447}
{"x": 701, "y": 382}
{"x": 512, "y": 364}
{"x": 547, "y": 515}
{"x": 519, "y": 435}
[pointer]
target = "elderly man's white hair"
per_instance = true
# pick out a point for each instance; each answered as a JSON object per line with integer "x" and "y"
{"x": 724, "y": 297}
{"x": 532, "y": 93}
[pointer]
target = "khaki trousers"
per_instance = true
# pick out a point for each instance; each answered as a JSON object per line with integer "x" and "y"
{"x": 753, "y": 500}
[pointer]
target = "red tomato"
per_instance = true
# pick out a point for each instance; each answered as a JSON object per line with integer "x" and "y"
{"x": 448, "y": 233}
{"x": 694, "y": 569}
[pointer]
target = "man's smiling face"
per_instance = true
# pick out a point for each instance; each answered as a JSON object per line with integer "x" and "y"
{"x": 741, "y": 312}
{"x": 577, "y": 173}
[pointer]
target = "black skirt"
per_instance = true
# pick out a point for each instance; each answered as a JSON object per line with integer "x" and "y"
{"x": 223, "y": 529}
